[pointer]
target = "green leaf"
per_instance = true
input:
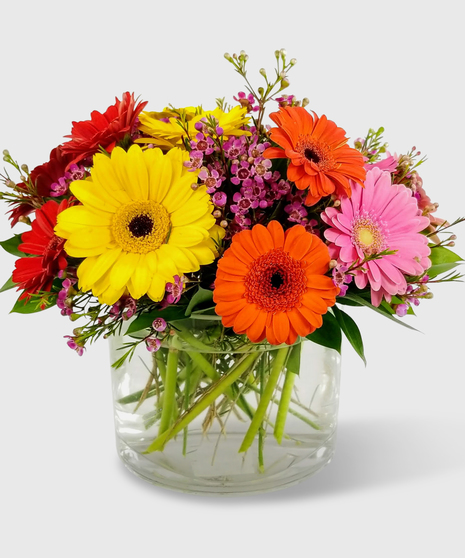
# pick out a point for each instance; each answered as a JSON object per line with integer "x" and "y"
{"x": 343, "y": 300}
{"x": 293, "y": 362}
{"x": 11, "y": 245}
{"x": 200, "y": 298}
{"x": 379, "y": 309}
{"x": 10, "y": 284}
{"x": 145, "y": 320}
{"x": 351, "y": 331}
{"x": 442, "y": 260}
{"x": 329, "y": 334}
{"x": 30, "y": 306}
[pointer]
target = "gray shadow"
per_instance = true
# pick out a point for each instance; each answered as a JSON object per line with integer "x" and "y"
{"x": 368, "y": 455}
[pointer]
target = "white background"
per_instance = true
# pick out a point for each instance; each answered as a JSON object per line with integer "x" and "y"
{"x": 397, "y": 483}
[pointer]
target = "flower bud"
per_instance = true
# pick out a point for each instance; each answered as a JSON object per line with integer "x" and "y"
{"x": 194, "y": 185}
{"x": 285, "y": 83}
{"x": 224, "y": 223}
{"x": 263, "y": 72}
{"x": 228, "y": 56}
{"x": 25, "y": 168}
{"x": 276, "y": 53}
{"x": 305, "y": 102}
{"x": 25, "y": 220}
{"x": 293, "y": 61}
{"x": 217, "y": 214}
{"x": 6, "y": 153}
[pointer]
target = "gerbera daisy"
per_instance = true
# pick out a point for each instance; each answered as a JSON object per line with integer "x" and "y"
{"x": 37, "y": 274}
{"x": 103, "y": 130}
{"x": 140, "y": 224}
{"x": 165, "y": 130}
{"x": 379, "y": 217}
{"x": 320, "y": 160}
{"x": 272, "y": 283}
{"x": 42, "y": 178}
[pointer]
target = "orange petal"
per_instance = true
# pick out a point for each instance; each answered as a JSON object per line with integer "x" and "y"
{"x": 241, "y": 253}
{"x": 300, "y": 245}
{"x": 245, "y": 318}
{"x": 281, "y": 327}
{"x": 314, "y": 319}
{"x": 228, "y": 292}
{"x": 270, "y": 336}
{"x": 274, "y": 153}
{"x": 292, "y": 336}
{"x": 299, "y": 323}
{"x": 277, "y": 233}
{"x": 262, "y": 238}
{"x": 247, "y": 242}
{"x": 230, "y": 264}
{"x": 256, "y": 332}
{"x": 230, "y": 308}
{"x": 291, "y": 235}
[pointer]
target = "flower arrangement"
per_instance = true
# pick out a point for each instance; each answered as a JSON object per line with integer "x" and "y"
{"x": 143, "y": 219}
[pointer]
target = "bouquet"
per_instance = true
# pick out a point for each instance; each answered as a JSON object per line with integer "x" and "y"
{"x": 145, "y": 223}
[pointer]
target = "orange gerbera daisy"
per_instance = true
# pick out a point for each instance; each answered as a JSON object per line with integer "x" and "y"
{"x": 320, "y": 160}
{"x": 272, "y": 283}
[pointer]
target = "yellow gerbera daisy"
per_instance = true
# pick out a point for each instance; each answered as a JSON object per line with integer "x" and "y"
{"x": 181, "y": 123}
{"x": 140, "y": 224}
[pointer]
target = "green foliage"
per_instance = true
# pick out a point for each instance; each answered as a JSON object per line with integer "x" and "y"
{"x": 442, "y": 260}
{"x": 293, "y": 361}
{"x": 33, "y": 305}
{"x": 329, "y": 334}
{"x": 351, "y": 331}
{"x": 202, "y": 299}
{"x": 10, "y": 284}
{"x": 11, "y": 246}
{"x": 378, "y": 309}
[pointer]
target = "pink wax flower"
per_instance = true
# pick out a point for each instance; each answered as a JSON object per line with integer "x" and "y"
{"x": 379, "y": 217}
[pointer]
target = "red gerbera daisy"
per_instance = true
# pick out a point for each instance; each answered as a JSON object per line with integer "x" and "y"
{"x": 103, "y": 130}
{"x": 37, "y": 274}
{"x": 320, "y": 160}
{"x": 42, "y": 178}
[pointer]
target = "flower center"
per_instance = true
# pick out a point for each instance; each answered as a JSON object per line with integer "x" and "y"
{"x": 368, "y": 235}
{"x": 276, "y": 282}
{"x": 312, "y": 155}
{"x": 141, "y": 226}
{"x": 316, "y": 152}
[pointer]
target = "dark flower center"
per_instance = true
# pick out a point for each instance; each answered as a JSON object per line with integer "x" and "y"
{"x": 276, "y": 279}
{"x": 312, "y": 155}
{"x": 141, "y": 225}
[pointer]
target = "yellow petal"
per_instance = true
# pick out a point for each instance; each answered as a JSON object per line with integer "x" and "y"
{"x": 123, "y": 269}
{"x": 157, "y": 288}
{"x": 141, "y": 279}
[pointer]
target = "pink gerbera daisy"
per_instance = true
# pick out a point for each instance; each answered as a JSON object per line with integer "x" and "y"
{"x": 379, "y": 217}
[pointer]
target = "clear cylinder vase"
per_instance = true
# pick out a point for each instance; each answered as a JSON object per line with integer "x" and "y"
{"x": 207, "y": 414}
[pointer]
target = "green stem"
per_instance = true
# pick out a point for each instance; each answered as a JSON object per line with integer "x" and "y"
{"x": 169, "y": 396}
{"x": 186, "y": 404}
{"x": 161, "y": 364}
{"x": 187, "y": 336}
{"x": 261, "y": 430}
{"x": 265, "y": 399}
{"x": 203, "y": 364}
{"x": 283, "y": 407}
{"x": 214, "y": 391}
{"x": 291, "y": 410}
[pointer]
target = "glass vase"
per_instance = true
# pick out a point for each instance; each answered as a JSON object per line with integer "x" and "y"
{"x": 215, "y": 414}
